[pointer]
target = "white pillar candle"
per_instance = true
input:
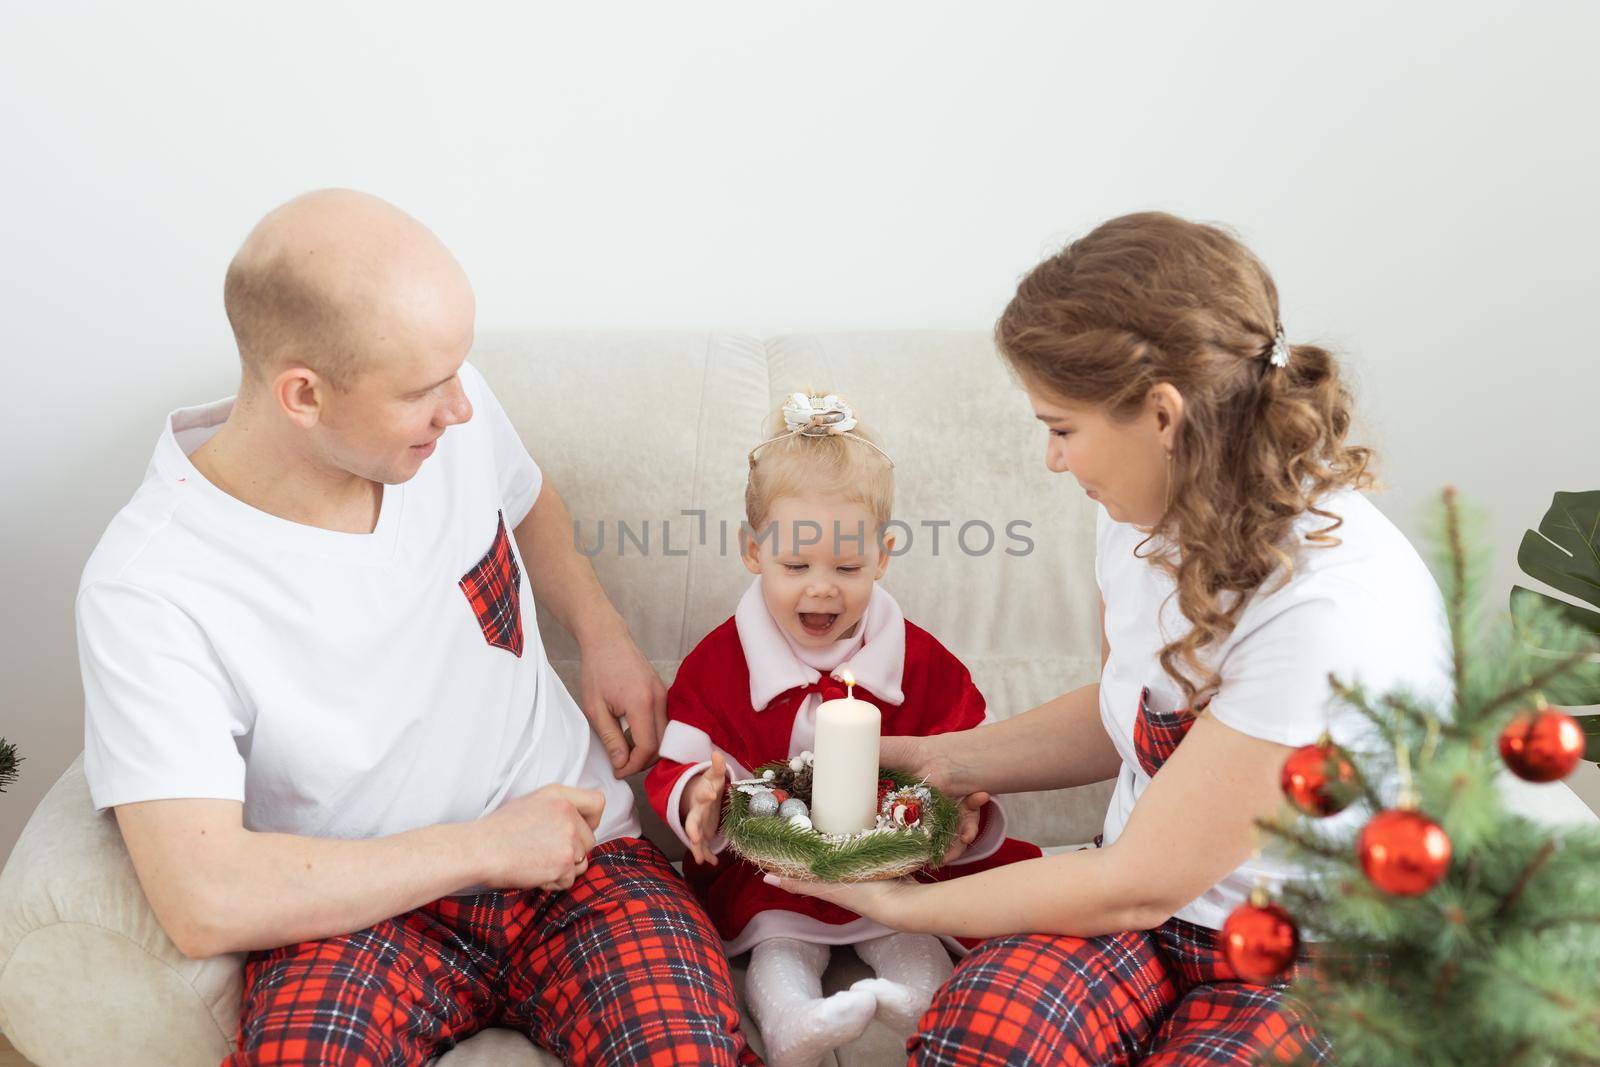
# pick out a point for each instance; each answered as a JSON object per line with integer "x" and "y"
{"x": 844, "y": 783}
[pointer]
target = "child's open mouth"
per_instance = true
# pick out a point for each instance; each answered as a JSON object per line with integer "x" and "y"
{"x": 817, "y": 623}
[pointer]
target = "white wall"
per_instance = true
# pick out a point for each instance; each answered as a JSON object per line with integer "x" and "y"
{"x": 1419, "y": 177}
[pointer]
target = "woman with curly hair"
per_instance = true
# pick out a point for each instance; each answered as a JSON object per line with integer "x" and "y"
{"x": 1239, "y": 564}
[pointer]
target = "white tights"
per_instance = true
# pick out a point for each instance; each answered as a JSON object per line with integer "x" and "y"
{"x": 800, "y": 1025}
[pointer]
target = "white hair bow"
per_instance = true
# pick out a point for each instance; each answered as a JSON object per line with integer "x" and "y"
{"x": 817, "y": 416}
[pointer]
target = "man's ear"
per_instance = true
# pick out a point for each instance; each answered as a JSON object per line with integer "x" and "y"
{"x": 749, "y": 550}
{"x": 301, "y": 393}
{"x": 1166, "y": 407}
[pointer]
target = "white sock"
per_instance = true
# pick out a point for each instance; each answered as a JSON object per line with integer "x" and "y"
{"x": 784, "y": 989}
{"x": 910, "y": 969}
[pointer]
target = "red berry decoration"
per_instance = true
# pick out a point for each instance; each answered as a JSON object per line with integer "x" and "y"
{"x": 1541, "y": 745}
{"x": 1259, "y": 939}
{"x": 1404, "y": 852}
{"x": 1319, "y": 780}
{"x": 781, "y": 795}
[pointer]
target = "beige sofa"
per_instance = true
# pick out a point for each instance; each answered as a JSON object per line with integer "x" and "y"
{"x": 639, "y": 427}
{"x": 631, "y": 427}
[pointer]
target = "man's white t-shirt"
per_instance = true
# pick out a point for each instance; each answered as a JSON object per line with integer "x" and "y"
{"x": 1366, "y": 610}
{"x": 338, "y": 685}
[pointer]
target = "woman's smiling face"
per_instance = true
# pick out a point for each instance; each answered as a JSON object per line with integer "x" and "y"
{"x": 818, "y": 558}
{"x": 1120, "y": 463}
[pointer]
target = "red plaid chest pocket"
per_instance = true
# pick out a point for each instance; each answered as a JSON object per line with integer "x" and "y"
{"x": 494, "y": 589}
{"x": 1157, "y": 734}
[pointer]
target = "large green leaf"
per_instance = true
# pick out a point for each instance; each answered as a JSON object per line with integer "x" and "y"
{"x": 1591, "y": 737}
{"x": 1565, "y": 551}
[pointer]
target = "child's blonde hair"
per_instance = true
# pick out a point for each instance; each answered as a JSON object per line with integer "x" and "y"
{"x": 790, "y": 463}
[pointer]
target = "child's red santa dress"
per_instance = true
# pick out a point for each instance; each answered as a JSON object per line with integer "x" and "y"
{"x": 751, "y": 692}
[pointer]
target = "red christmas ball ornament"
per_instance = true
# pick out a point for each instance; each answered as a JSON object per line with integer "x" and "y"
{"x": 1319, "y": 779}
{"x": 1404, "y": 852}
{"x": 1259, "y": 939}
{"x": 906, "y": 813}
{"x": 1542, "y": 744}
{"x": 780, "y": 795}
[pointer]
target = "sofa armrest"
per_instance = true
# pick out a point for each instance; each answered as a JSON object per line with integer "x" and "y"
{"x": 87, "y": 975}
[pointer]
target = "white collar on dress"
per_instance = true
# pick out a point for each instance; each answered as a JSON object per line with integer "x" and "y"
{"x": 877, "y": 659}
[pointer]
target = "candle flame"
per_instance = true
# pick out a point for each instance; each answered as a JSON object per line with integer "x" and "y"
{"x": 846, "y": 677}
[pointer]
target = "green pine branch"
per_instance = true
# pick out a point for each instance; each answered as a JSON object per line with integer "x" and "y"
{"x": 1509, "y": 901}
{"x": 1457, "y": 593}
{"x": 9, "y": 761}
{"x": 1495, "y": 963}
{"x": 1304, "y": 842}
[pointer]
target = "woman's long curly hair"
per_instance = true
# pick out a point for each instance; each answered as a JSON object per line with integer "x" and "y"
{"x": 1151, "y": 298}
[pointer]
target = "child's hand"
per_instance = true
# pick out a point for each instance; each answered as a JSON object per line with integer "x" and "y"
{"x": 701, "y": 808}
{"x": 968, "y": 823}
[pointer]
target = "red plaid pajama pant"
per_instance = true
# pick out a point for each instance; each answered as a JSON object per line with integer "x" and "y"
{"x": 1161, "y": 998}
{"x": 623, "y": 968}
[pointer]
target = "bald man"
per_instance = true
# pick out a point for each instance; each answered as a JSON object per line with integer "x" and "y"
{"x": 318, "y": 703}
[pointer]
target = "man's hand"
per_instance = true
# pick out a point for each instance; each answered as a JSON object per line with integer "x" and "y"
{"x": 540, "y": 840}
{"x": 700, "y": 808}
{"x": 619, "y": 684}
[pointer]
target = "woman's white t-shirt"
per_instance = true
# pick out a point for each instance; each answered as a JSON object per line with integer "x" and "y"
{"x": 338, "y": 685}
{"x": 1366, "y": 610}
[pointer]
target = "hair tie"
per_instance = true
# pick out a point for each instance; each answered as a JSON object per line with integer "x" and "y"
{"x": 1280, "y": 349}
{"x": 818, "y": 416}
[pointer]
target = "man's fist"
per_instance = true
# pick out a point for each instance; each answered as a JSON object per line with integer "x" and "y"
{"x": 701, "y": 808}
{"x": 540, "y": 840}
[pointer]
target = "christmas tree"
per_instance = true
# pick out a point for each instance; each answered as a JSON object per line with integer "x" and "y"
{"x": 1447, "y": 929}
{"x": 8, "y": 763}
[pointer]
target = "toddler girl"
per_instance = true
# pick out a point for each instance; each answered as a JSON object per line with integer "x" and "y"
{"x": 818, "y": 496}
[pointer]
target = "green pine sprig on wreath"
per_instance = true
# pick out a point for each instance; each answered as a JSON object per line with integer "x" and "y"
{"x": 774, "y": 844}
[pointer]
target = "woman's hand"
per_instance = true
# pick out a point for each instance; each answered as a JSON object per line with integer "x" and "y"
{"x": 931, "y": 759}
{"x": 701, "y": 808}
{"x": 921, "y": 757}
{"x": 891, "y": 903}
{"x": 969, "y": 820}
